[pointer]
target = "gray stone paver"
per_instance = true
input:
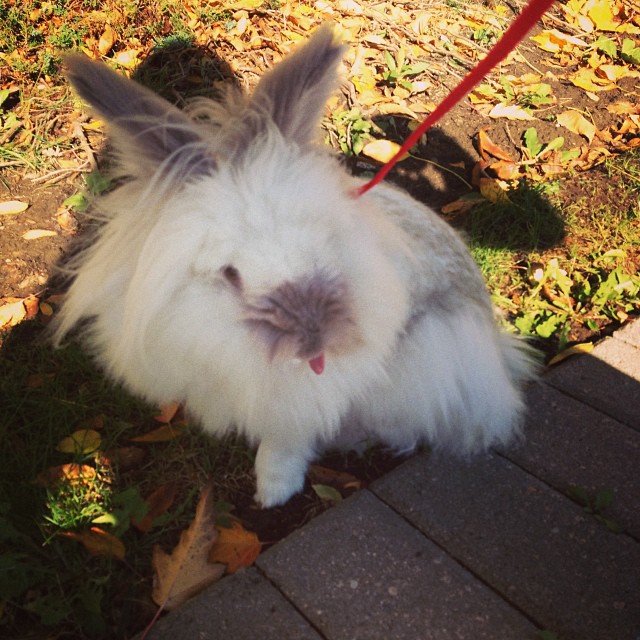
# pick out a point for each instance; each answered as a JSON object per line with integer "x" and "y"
{"x": 534, "y": 546}
{"x": 369, "y": 574}
{"x": 608, "y": 379}
{"x": 569, "y": 444}
{"x": 242, "y": 607}
{"x": 446, "y": 549}
{"x": 629, "y": 333}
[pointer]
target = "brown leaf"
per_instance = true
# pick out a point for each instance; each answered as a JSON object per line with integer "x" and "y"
{"x": 167, "y": 412}
{"x": 99, "y": 542}
{"x": 486, "y": 145}
{"x": 125, "y": 458}
{"x": 159, "y": 502}
{"x": 507, "y": 170}
{"x": 70, "y": 473}
{"x": 345, "y": 482}
{"x": 162, "y": 434}
{"x": 186, "y": 571}
{"x": 235, "y": 547}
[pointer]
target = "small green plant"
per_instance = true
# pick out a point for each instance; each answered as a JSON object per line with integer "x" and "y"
{"x": 586, "y": 296}
{"x": 596, "y": 504}
{"x": 349, "y": 130}
{"x": 540, "y": 96}
{"x": 485, "y": 35}
{"x": 537, "y": 150}
{"x": 398, "y": 70}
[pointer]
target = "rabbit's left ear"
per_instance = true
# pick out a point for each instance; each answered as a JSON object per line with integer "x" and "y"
{"x": 147, "y": 130}
{"x": 295, "y": 92}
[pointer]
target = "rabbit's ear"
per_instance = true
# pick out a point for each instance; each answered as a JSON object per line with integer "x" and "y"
{"x": 147, "y": 129}
{"x": 295, "y": 92}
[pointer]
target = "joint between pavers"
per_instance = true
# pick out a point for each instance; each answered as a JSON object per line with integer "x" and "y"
{"x": 291, "y": 603}
{"x": 458, "y": 561}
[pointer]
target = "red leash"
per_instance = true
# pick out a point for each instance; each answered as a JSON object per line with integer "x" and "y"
{"x": 514, "y": 34}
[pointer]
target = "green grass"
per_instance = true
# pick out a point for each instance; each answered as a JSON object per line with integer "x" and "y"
{"x": 564, "y": 266}
{"x": 53, "y": 583}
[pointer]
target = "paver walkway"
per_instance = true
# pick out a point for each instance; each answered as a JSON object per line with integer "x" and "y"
{"x": 441, "y": 549}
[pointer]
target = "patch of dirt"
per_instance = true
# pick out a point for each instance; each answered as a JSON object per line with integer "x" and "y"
{"x": 26, "y": 265}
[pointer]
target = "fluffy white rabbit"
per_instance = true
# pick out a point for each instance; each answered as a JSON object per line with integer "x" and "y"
{"x": 236, "y": 272}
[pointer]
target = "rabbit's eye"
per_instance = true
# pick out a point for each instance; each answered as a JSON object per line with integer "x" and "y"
{"x": 232, "y": 276}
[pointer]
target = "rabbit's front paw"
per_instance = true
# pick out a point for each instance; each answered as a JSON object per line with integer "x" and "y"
{"x": 279, "y": 476}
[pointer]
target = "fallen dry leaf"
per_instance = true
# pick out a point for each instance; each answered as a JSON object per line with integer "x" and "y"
{"x": 344, "y": 482}
{"x": 124, "y": 458}
{"x": 162, "y": 434}
{"x": 12, "y": 312}
{"x": 493, "y": 190}
{"x": 82, "y": 441}
{"x": 167, "y": 412}
{"x": 99, "y": 542}
{"x": 511, "y": 112}
{"x": 382, "y": 150}
{"x": 186, "y": 571}
{"x": 577, "y": 123}
{"x": 235, "y": 547}
{"x": 106, "y": 41}
{"x": 35, "y": 234}
{"x": 159, "y": 502}
{"x": 584, "y": 347}
{"x": 12, "y": 207}
{"x": 70, "y": 473}
{"x": 487, "y": 146}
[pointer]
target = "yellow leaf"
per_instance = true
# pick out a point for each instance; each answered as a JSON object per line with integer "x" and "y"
{"x": 554, "y": 41}
{"x": 588, "y": 80}
{"x": 12, "y": 207}
{"x": 35, "y": 234}
{"x": 127, "y": 58}
{"x": 12, "y": 312}
{"x": 382, "y": 150}
{"x": 577, "y": 123}
{"x": 186, "y": 571}
{"x": 46, "y": 309}
{"x": 511, "y": 112}
{"x": 235, "y": 547}
{"x": 350, "y": 7}
{"x": 584, "y": 347}
{"x": 80, "y": 442}
{"x": 493, "y": 190}
{"x": 601, "y": 14}
{"x": 99, "y": 543}
{"x": 106, "y": 40}
{"x": 614, "y": 72}
{"x": 246, "y": 5}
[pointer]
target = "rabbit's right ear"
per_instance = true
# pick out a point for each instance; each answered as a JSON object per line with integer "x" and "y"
{"x": 296, "y": 90}
{"x": 147, "y": 130}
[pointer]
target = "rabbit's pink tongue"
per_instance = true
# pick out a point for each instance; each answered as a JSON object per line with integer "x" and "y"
{"x": 317, "y": 364}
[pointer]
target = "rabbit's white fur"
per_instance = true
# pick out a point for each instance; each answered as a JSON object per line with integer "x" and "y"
{"x": 236, "y": 251}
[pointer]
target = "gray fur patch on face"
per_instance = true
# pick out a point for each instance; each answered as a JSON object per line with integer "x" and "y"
{"x": 305, "y": 318}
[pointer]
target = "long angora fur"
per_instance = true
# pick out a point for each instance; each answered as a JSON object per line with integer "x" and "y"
{"x": 236, "y": 272}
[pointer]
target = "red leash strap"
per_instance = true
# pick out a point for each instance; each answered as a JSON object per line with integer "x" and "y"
{"x": 514, "y": 34}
